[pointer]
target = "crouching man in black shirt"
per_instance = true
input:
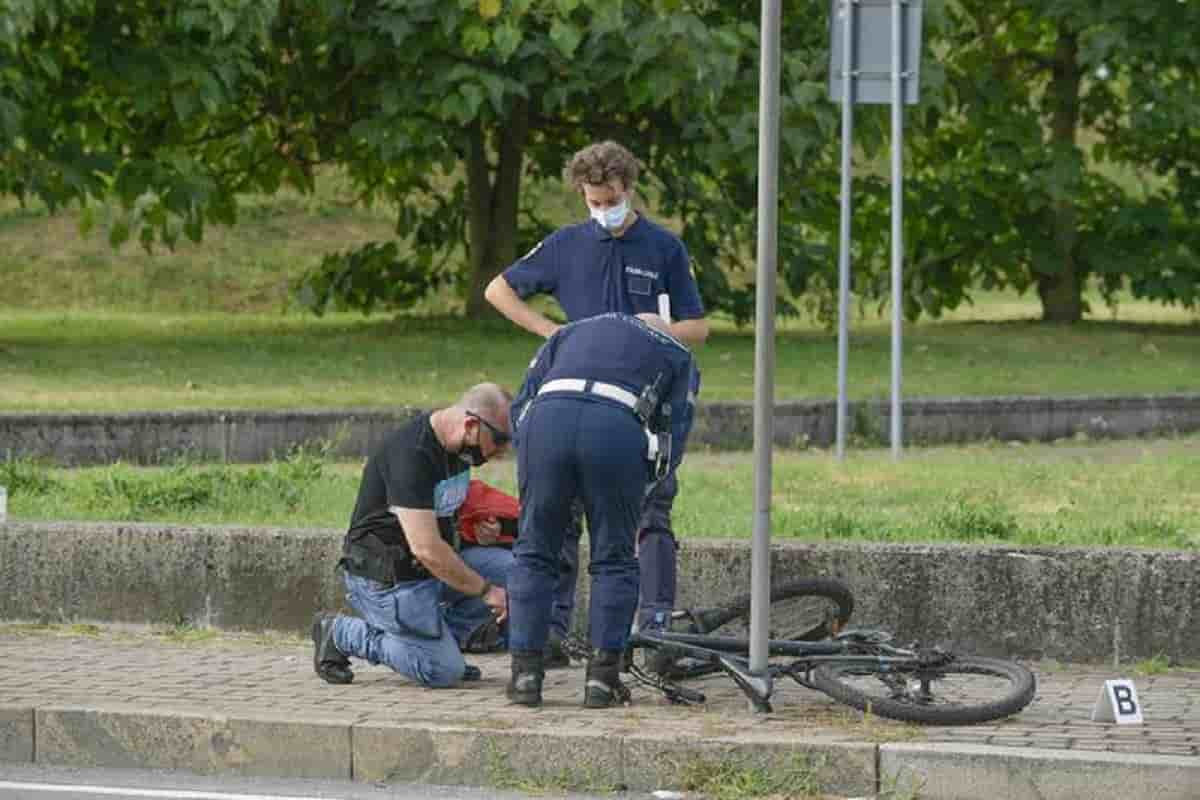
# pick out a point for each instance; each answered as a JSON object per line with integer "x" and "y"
{"x": 417, "y": 595}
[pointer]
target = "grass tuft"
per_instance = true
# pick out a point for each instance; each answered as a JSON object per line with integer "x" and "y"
{"x": 726, "y": 780}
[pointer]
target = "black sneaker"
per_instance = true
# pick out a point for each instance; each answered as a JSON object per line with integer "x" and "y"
{"x": 604, "y": 688}
{"x": 525, "y": 687}
{"x": 555, "y": 656}
{"x": 331, "y": 664}
{"x": 659, "y": 660}
{"x": 472, "y": 673}
{"x": 603, "y": 694}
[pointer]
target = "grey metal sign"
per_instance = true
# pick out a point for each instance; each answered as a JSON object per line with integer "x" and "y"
{"x": 871, "y": 51}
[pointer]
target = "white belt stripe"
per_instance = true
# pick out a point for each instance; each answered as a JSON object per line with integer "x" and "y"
{"x": 611, "y": 391}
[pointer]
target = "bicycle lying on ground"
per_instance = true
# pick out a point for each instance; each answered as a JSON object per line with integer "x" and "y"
{"x": 810, "y": 643}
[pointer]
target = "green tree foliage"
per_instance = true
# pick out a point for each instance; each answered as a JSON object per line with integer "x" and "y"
{"x": 443, "y": 108}
{"x": 166, "y": 106}
{"x": 1026, "y": 168}
{"x": 455, "y": 105}
{"x": 1065, "y": 149}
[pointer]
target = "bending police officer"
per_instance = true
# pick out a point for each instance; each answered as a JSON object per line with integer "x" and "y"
{"x": 602, "y": 417}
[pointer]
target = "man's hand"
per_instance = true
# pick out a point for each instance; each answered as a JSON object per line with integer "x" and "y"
{"x": 510, "y": 304}
{"x": 497, "y": 600}
{"x": 487, "y": 533}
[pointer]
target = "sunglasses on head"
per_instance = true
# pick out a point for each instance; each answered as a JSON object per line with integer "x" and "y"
{"x": 498, "y": 436}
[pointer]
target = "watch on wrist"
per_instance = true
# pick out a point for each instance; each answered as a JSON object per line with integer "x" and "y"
{"x": 487, "y": 587}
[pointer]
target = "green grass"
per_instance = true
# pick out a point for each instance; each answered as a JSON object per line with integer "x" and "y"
{"x": 1159, "y": 664}
{"x": 797, "y": 779}
{"x": 93, "y": 361}
{"x": 46, "y": 263}
{"x": 87, "y": 328}
{"x": 1131, "y": 493}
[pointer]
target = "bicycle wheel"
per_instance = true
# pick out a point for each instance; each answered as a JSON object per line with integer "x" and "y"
{"x": 805, "y": 610}
{"x": 962, "y": 691}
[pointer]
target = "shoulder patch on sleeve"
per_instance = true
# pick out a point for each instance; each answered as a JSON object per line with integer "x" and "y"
{"x": 536, "y": 247}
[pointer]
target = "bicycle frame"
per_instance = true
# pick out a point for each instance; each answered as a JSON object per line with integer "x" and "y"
{"x": 725, "y": 652}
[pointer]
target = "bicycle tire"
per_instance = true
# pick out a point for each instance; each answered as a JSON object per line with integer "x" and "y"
{"x": 1000, "y": 689}
{"x": 805, "y": 610}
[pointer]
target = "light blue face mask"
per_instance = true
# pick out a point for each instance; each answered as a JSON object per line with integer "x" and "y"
{"x": 611, "y": 218}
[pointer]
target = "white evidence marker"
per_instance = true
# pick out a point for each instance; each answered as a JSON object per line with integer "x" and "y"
{"x": 1118, "y": 702}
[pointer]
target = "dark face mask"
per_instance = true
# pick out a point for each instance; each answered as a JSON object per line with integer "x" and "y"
{"x": 472, "y": 454}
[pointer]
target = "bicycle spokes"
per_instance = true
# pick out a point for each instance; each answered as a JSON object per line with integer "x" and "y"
{"x": 925, "y": 685}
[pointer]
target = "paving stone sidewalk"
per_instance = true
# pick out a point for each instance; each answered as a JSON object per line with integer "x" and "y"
{"x": 240, "y": 676}
{"x": 234, "y": 674}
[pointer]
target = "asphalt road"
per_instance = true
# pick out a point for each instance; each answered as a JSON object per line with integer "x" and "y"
{"x": 29, "y": 782}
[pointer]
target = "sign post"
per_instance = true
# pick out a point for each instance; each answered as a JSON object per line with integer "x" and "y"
{"x": 875, "y": 57}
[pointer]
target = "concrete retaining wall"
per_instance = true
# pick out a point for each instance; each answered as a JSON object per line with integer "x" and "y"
{"x": 253, "y": 436}
{"x": 1069, "y": 604}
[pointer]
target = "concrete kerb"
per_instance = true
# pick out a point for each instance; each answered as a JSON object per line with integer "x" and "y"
{"x": 571, "y": 758}
{"x": 969, "y": 772}
{"x": 16, "y": 734}
{"x": 235, "y": 435}
{"x": 207, "y": 744}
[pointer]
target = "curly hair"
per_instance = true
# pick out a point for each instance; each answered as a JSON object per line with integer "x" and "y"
{"x": 599, "y": 163}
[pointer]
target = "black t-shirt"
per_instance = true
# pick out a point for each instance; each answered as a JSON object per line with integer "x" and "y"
{"x": 409, "y": 469}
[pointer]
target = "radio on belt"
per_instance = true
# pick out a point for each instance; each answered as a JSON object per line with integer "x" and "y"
{"x": 657, "y": 422}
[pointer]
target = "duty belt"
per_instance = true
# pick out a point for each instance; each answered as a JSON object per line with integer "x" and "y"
{"x": 658, "y": 446}
{"x": 609, "y": 390}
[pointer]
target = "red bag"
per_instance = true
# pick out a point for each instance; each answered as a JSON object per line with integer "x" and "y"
{"x": 486, "y": 502}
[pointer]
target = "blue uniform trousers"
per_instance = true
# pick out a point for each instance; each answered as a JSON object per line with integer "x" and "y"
{"x": 656, "y": 557}
{"x": 574, "y": 447}
{"x": 564, "y": 587}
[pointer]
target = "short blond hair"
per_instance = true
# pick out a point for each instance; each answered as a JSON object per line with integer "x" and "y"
{"x": 597, "y": 164}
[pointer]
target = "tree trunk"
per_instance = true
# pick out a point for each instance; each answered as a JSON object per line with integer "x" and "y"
{"x": 1061, "y": 292}
{"x": 493, "y": 198}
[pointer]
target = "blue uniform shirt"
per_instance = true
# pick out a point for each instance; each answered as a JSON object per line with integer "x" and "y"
{"x": 590, "y": 271}
{"x": 622, "y": 350}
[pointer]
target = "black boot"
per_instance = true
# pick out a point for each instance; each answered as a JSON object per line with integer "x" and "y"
{"x": 555, "y": 655}
{"x": 604, "y": 688}
{"x": 525, "y": 688}
{"x": 330, "y": 663}
{"x": 659, "y": 660}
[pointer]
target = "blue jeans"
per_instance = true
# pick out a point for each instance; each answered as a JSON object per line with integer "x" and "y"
{"x": 417, "y": 627}
{"x": 463, "y": 612}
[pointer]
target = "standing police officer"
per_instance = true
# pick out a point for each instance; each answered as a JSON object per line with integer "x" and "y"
{"x": 602, "y": 416}
{"x": 617, "y": 261}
